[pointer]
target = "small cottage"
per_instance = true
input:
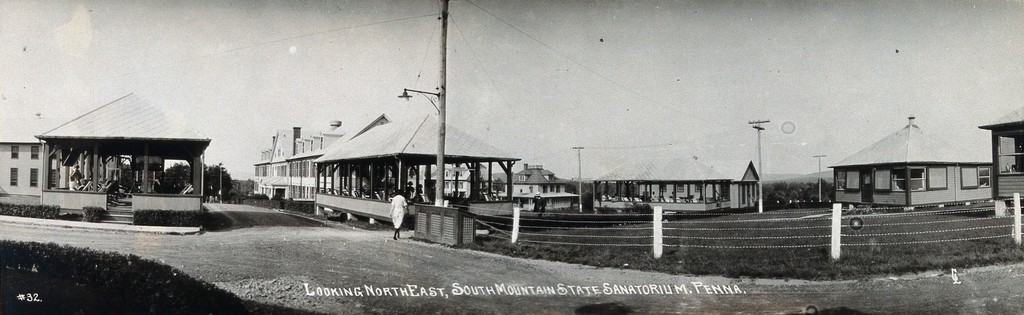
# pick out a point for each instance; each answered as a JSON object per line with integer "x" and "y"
{"x": 909, "y": 168}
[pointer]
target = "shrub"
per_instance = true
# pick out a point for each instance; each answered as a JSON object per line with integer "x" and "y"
{"x": 300, "y": 206}
{"x": 258, "y": 197}
{"x": 126, "y": 283}
{"x": 641, "y": 208}
{"x": 29, "y": 211}
{"x": 93, "y": 214}
{"x": 168, "y": 217}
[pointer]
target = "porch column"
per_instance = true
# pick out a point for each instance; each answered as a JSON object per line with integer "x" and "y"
{"x": 147, "y": 187}
{"x": 197, "y": 175}
{"x": 47, "y": 165}
{"x": 474, "y": 182}
{"x": 316, "y": 178}
{"x": 62, "y": 172}
{"x": 403, "y": 177}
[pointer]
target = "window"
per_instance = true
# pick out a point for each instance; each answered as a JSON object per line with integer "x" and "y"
{"x": 984, "y": 176}
{"x": 35, "y": 152}
{"x": 14, "y": 152}
{"x": 840, "y": 180}
{"x": 936, "y": 178}
{"x": 969, "y": 177}
{"x": 917, "y": 179}
{"x": 1011, "y": 154}
{"x": 33, "y": 177}
{"x": 899, "y": 179}
{"x": 883, "y": 184}
{"x": 852, "y": 180}
{"x": 14, "y": 177}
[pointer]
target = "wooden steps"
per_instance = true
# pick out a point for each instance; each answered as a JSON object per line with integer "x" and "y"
{"x": 121, "y": 214}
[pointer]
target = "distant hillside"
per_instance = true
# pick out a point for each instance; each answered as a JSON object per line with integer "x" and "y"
{"x": 799, "y": 178}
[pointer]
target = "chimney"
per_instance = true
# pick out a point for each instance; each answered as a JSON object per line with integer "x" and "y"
{"x": 526, "y": 166}
{"x": 296, "y": 134}
{"x": 911, "y": 123}
{"x": 335, "y": 124}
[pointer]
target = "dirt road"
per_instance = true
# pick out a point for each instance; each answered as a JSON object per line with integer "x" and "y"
{"x": 283, "y": 264}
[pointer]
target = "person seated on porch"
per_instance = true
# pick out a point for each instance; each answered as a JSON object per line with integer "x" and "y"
{"x": 75, "y": 178}
{"x": 87, "y": 185}
{"x": 113, "y": 191}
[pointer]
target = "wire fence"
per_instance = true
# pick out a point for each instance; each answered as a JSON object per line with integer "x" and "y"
{"x": 874, "y": 227}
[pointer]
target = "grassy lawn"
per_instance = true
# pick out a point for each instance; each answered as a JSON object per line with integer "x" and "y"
{"x": 780, "y": 244}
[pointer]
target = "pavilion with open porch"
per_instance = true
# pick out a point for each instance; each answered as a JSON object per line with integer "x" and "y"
{"x": 360, "y": 175}
{"x": 677, "y": 185}
{"x": 113, "y": 156}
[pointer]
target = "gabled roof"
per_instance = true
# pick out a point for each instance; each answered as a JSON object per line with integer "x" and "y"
{"x": 128, "y": 117}
{"x": 536, "y": 176}
{"x": 910, "y": 145}
{"x": 1014, "y": 118}
{"x": 671, "y": 169}
{"x": 411, "y": 138}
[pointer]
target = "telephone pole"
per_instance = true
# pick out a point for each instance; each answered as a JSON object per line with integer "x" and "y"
{"x": 819, "y": 175}
{"x": 579, "y": 176}
{"x": 760, "y": 168}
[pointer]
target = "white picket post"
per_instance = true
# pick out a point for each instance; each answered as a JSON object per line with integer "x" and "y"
{"x": 837, "y": 211}
{"x": 515, "y": 223}
{"x": 658, "y": 239}
{"x": 1016, "y": 218}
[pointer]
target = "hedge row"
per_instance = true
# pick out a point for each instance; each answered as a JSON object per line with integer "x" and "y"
{"x": 93, "y": 214}
{"x": 300, "y": 206}
{"x": 133, "y": 285}
{"x": 168, "y": 217}
{"x": 29, "y": 211}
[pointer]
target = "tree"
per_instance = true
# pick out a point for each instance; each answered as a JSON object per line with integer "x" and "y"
{"x": 212, "y": 180}
{"x": 176, "y": 178}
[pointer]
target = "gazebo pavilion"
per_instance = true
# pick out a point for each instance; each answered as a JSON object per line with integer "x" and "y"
{"x": 126, "y": 142}
{"x": 358, "y": 176}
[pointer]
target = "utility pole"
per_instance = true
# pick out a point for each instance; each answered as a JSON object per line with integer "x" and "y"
{"x": 579, "y": 176}
{"x": 819, "y": 175}
{"x": 442, "y": 91}
{"x": 760, "y": 168}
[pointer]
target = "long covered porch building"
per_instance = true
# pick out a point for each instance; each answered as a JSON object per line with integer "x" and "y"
{"x": 359, "y": 175}
{"x": 681, "y": 184}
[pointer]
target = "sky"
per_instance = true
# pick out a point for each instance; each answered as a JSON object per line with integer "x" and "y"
{"x": 623, "y": 79}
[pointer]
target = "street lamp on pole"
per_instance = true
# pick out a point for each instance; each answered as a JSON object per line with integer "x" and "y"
{"x": 819, "y": 175}
{"x": 440, "y": 106}
{"x": 760, "y": 168}
{"x": 579, "y": 176}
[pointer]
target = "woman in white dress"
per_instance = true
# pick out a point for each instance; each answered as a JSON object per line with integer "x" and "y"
{"x": 398, "y": 205}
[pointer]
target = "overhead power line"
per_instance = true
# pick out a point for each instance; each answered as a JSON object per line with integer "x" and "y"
{"x": 260, "y": 44}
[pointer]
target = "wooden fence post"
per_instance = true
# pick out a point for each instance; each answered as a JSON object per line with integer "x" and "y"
{"x": 658, "y": 239}
{"x": 515, "y": 223}
{"x": 837, "y": 211}
{"x": 1016, "y": 218}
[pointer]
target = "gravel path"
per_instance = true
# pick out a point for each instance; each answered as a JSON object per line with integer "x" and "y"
{"x": 277, "y": 258}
